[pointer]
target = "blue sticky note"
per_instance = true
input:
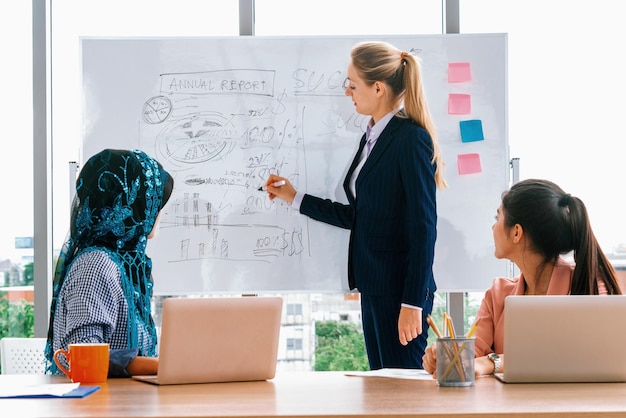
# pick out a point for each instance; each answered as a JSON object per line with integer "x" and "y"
{"x": 471, "y": 130}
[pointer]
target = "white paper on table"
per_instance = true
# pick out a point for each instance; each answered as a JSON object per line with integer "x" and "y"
{"x": 414, "y": 374}
{"x": 55, "y": 389}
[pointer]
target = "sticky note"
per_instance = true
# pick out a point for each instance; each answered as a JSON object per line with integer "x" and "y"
{"x": 471, "y": 130}
{"x": 459, "y": 72}
{"x": 459, "y": 104}
{"x": 468, "y": 164}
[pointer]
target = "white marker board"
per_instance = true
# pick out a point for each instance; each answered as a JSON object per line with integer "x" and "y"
{"x": 221, "y": 114}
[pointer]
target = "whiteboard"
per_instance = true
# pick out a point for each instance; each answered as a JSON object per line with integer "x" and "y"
{"x": 221, "y": 114}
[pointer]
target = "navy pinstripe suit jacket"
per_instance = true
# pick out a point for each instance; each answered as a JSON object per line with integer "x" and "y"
{"x": 393, "y": 220}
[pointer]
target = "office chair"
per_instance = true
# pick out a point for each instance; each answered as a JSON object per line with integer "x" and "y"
{"x": 22, "y": 355}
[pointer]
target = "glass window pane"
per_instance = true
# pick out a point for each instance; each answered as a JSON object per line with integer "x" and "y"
{"x": 158, "y": 18}
{"x": 16, "y": 170}
{"x": 347, "y": 17}
{"x": 565, "y": 84}
{"x": 111, "y": 18}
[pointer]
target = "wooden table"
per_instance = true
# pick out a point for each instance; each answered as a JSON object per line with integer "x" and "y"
{"x": 325, "y": 394}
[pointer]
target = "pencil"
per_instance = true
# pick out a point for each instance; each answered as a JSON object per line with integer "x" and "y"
{"x": 457, "y": 353}
{"x": 472, "y": 330}
{"x": 456, "y": 360}
{"x": 457, "y": 356}
{"x": 450, "y": 325}
{"x": 432, "y": 324}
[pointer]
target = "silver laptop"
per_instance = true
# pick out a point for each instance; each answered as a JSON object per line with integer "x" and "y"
{"x": 564, "y": 339}
{"x": 222, "y": 339}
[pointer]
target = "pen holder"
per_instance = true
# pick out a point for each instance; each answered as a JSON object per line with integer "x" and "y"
{"x": 455, "y": 361}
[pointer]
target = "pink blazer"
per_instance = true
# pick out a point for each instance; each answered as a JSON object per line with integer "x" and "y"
{"x": 490, "y": 332}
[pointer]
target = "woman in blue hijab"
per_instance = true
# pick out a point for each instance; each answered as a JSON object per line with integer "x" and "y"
{"x": 102, "y": 283}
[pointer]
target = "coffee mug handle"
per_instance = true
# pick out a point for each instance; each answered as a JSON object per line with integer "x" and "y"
{"x": 58, "y": 363}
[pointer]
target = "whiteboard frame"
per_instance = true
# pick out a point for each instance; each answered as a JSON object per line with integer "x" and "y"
{"x": 466, "y": 285}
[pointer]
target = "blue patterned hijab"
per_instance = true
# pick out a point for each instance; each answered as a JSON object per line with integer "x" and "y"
{"x": 119, "y": 194}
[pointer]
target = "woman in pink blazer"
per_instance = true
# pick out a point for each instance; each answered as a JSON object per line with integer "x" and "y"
{"x": 536, "y": 224}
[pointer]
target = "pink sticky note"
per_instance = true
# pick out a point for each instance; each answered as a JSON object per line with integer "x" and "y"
{"x": 459, "y": 104}
{"x": 459, "y": 72}
{"x": 468, "y": 164}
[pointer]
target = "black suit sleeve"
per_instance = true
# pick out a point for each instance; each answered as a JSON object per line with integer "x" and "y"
{"x": 327, "y": 211}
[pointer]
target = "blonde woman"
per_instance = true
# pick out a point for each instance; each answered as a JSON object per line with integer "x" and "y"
{"x": 391, "y": 189}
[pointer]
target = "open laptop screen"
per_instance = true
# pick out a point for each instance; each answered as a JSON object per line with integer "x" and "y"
{"x": 564, "y": 338}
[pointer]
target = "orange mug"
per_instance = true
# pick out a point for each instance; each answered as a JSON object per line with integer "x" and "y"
{"x": 87, "y": 362}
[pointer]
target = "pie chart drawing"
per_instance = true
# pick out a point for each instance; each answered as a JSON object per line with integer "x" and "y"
{"x": 197, "y": 139}
{"x": 156, "y": 110}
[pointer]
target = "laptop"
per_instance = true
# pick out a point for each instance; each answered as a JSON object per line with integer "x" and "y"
{"x": 221, "y": 339}
{"x": 564, "y": 339}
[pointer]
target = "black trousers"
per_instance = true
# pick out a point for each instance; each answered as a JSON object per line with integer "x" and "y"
{"x": 380, "y": 329}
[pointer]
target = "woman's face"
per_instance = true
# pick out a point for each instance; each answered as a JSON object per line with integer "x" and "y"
{"x": 502, "y": 236}
{"x": 363, "y": 96}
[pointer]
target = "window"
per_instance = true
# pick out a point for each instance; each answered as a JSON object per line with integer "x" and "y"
{"x": 140, "y": 18}
{"x": 294, "y": 309}
{"x": 16, "y": 170}
{"x": 346, "y": 17}
{"x": 562, "y": 81}
{"x": 565, "y": 72}
{"x": 294, "y": 344}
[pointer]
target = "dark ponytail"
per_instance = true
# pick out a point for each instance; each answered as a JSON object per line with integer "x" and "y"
{"x": 591, "y": 262}
{"x": 557, "y": 223}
